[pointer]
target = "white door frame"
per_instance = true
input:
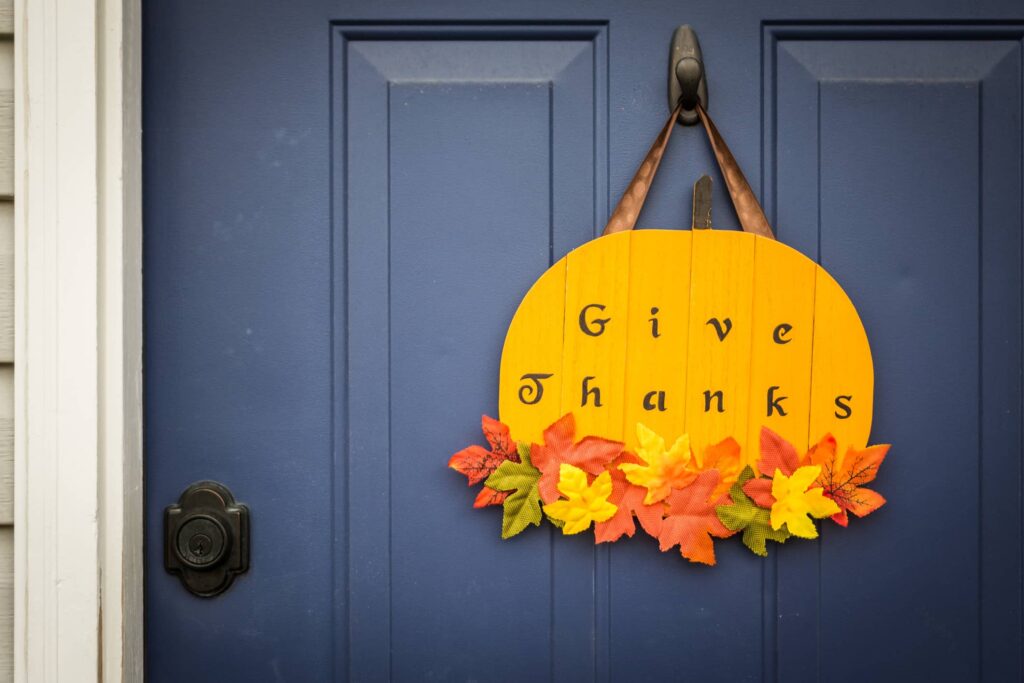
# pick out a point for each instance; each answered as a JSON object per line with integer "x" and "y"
{"x": 78, "y": 341}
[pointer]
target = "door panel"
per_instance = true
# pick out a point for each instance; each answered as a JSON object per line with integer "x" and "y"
{"x": 346, "y": 202}
{"x": 900, "y": 168}
{"x": 466, "y": 160}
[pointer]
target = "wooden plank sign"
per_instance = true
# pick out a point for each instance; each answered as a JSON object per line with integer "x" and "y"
{"x": 708, "y": 333}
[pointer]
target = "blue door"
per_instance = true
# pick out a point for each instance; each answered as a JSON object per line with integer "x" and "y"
{"x": 344, "y": 203}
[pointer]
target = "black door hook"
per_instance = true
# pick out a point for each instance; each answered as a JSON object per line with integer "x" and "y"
{"x": 686, "y": 81}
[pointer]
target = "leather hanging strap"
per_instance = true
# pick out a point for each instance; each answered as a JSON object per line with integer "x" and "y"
{"x": 748, "y": 209}
{"x": 628, "y": 209}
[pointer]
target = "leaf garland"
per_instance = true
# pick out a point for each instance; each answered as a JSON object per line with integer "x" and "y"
{"x": 681, "y": 498}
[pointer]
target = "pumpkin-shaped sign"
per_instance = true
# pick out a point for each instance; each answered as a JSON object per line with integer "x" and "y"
{"x": 700, "y": 383}
{"x": 711, "y": 333}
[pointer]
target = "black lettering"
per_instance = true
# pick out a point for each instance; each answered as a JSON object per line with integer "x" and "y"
{"x": 649, "y": 401}
{"x": 533, "y": 390}
{"x": 842, "y": 403}
{"x": 589, "y": 390}
{"x": 774, "y": 403}
{"x": 708, "y": 395}
{"x": 599, "y": 323}
{"x": 780, "y": 332}
{"x": 654, "y": 322}
{"x": 721, "y": 331}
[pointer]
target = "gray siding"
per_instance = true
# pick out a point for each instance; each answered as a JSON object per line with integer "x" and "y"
{"x": 6, "y": 340}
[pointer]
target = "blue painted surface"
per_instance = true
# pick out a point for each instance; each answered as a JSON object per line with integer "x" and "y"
{"x": 345, "y": 203}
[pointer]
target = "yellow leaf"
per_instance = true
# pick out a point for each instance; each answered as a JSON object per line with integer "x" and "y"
{"x": 794, "y": 501}
{"x": 583, "y": 503}
{"x": 664, "y": 470}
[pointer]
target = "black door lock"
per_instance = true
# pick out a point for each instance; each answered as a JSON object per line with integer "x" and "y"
{"x": 206, "y": 538}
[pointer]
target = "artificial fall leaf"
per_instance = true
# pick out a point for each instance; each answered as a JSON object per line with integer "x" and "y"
{"x": 591, "y": 454}
{"x": 842, "y": 478}
{"x": 724, "y": 457}
{"x": 489, "y": 496}
{"x": 760, "y": 491}
{"x": 783, "y": 454}
{"x": 776, "y": 454}
{"x": 583, "y": 503}
{"x": 662, "y": 470}
{"x": 522, "y": 506}
{"x": 794, "y": 501}
{"x": 692, "y": 521}
{"x": 629, "y": 499}
{"x": 476, "y": 462}
{"x": 743, "y": 515}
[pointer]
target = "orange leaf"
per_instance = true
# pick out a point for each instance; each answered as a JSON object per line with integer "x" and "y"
{"x": 630, "y": 501}
{"x": 591, "y": 455}
{"x": 842, "y": 479}
{"x": 864, "y": 501}
{"x": 724, "y": 457}
{"x": 776, "y": 454}
{"x": 489, "y": 496}
{"x": 822, "y": 452}
{"x": 692, "y": 520}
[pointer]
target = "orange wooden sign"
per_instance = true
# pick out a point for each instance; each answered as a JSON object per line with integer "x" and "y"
{"x": 707, "y": 333}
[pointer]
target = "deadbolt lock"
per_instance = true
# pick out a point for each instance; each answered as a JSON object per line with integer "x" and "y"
{"x": 206, "y": 538}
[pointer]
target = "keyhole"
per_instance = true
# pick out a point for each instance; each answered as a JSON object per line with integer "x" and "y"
{"x": 199, "y": 544}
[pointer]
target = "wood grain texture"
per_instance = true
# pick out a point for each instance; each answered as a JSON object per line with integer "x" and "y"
{"x": 6, "y": 115}
{"x": 659, "y": 275}
{"x": 721, "y": 281}
{"x": 843, "y": 369}
{"x": 6, "y": 604}
{"x": 534, "y": 346}
{"x": 743, "y": 342}
{"x": 780, "y": 357}
{"x": 6, "y": 282}
{"x": 596, "y": 274}
{"x": 6, "y": 444}
{"x": 7, "y": 17}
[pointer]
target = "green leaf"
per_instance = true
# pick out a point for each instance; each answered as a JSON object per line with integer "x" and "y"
{"x": 754, "y": 521}
{"x": 522, "y": 508}
{"x": 524, "y": 451}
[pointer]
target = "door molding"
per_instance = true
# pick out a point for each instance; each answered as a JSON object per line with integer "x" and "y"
{"x": 78, "y": 341}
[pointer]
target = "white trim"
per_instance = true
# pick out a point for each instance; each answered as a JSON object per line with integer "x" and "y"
{"x": 78, "y": 341}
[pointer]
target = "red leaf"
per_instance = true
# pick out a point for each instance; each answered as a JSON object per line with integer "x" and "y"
{"x": 591, "y": 455}
{"x": 476, "y": 462}
{"x": 489, "y": 496}
{"x": 760, "y": 491}
{"x": 776, "y": 454}
{"x": 692, "y": 520}
{"x": 841, "y": 518}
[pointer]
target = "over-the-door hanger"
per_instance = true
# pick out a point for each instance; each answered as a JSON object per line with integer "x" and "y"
{"x": 703, "y": 383}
